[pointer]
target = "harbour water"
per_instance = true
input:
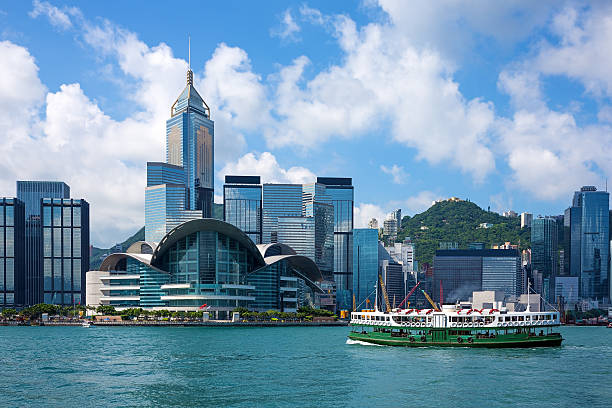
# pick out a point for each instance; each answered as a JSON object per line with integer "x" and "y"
{"x": 293, "y": 366}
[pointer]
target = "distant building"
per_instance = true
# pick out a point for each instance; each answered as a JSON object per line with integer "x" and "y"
{"x": 65, "y": 232}
{"x": 526, "y": 219}
{"x": 448, "y": 245}
{"x": 505, "y": 245}
{"x": 12, "y": 252}
{"x": 365, "y": 266}
{"x": 587, "y": 247}
{"x": 462, "y": 272}
{"x": 510, "y": 214}
{"x": 392, "y": 223}
{"x": 474, "y": 245}
{"x": 485, "y": 225}
{"x": 373, "y": 224}
{"x": 32, "y": 193}
{"x": 567, "y": 288}
{"x": 395, "y": 282}
{"x": 242, "y": 205}
{"x": 544, "y": 252}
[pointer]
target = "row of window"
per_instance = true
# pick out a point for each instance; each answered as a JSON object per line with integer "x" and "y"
{"x": 66, "y": 216}
{"x": 62, "y": 242}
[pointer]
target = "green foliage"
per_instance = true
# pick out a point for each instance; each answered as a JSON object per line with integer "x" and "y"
{"x": 449, "y": 221}
{"x": 589, "y": 314}
{"x": 106, "y": 310}
{"x": 8, "y": 313}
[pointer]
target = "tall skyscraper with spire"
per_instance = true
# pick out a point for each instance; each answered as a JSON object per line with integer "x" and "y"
{"x": 181, "y": 189}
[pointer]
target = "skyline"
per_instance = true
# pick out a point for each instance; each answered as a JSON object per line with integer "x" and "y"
{"x": 532, "y": 103}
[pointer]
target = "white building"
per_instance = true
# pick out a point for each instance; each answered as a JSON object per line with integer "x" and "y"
{"x": 526, "y": 219}
{"x": 373, "y": 224}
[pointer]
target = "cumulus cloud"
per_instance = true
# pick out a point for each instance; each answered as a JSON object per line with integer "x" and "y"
{"x": 60, "y": 19}
{"x": 288, "y": 28}
{"x": 397, "y": 173}
{"x": 266, "y": 166}
{"x": 383, "y": 80}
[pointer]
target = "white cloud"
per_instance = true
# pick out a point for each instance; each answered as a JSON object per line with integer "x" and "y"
{"x": 583, "y": 52}
{"x": 58, "y": 18}
{"x": 397, "y": 173}
{"x": 266, "y": 166}
{"x": 383, "y": 80}
{"x": 288, "y": 28}
{"x": 364, "y": 212}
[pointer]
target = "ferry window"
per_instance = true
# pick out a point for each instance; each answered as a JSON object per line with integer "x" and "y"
{"x": 387, "y": 318}
{"x": 521, "y": 318}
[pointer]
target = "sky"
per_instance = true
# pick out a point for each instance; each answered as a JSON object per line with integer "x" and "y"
{"x": 507, "y": 104}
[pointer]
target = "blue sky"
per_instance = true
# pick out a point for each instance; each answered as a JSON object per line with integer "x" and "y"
{"x": 507, "y": 104}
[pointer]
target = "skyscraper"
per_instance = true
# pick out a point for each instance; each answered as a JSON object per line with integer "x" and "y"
{"x": 340, "y": 193}
{"x": 182, "y": 188}
{"x": 365, "y": 266}
{"x": 12, "y": 252}
{"x": 65, "y": 226}
{"x": 589, "y": 241}
{"x": 242, "y": 205}
{"x": 32, "y": 193}
{"x": 279, "y": 200}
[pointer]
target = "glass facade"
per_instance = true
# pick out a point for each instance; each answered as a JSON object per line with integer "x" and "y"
{"x": 32, "y": 193}
{"x": 588, "y": 245}
{"x": 279, "y": 200}
{"x": 502, "y": 273}
{"x": 165, "y": 210}
{"x": 12, "y": 252}
{"x": 365, "y": 266}
{"x": 65, "y": 243}
{"x": 544, "y": 249}
{"x": 339, "y": 193}
{"x": 242, "y": 205}
{"x": 164, "y": 173}
{"x": 395, "y": 283}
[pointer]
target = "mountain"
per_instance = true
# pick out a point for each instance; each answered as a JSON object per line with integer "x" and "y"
{"x": 459, "y": 221}
{"x": 98, "y": 254}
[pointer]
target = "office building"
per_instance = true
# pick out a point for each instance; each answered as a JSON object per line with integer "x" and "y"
{"x": 394, "y": 278}
{"x": 182, "y": 188}
{"x": 206, "y": 261}
{"x": 279, "y": 200}
{"x": 587, "y": 243}
{"x": 242, "y": 205}
{"x": 566, "y": 289}
{"x": 461, "y": 272}
{"x": 544, "y": 253}
{"x": 365, "y": 266}
{"x": 32, "y": 193}
{"x": 12, "y": 252}
{"x": 340, "y": 194}
{"x": 65, "y": 232}
{"x": 526, "y": 219}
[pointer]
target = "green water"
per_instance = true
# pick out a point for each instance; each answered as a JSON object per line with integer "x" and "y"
{"x": 309, "y": 367}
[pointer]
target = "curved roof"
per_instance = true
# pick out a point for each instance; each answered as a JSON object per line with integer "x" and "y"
{"x": 305, "y": 267}
{"x": 110, "y": 262}
{"x": 283, "y": 249}
{"x": 206, "y": 224}
{"x": 136, "y": 247}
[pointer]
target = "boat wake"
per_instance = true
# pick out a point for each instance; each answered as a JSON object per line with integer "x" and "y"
{"x": 363, "y": 343}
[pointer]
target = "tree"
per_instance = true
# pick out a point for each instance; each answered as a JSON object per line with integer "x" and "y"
{"x": 8, "y": 313}
{"x": 106, "y": 310}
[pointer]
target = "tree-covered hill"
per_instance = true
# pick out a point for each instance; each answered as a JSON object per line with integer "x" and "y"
{"x": 459, "y": 221}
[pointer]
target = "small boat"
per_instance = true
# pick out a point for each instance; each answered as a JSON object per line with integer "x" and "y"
{"x": 455, "y": 327}
{"x": 86, "y": 324}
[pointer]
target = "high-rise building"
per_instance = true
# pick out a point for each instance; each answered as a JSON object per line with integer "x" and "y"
{"x": 182, "y": 188}
{"x": 462, "y": 272}
{"x": 544, "y": 253}
{"x": 242, "y": 205}
{"x": 588, "y": 244}
{"x": 394, "y": 278}
{"x": 365, "y": 266}
{"x": 526, "y": 219}
{"x": 65, "y": 232}
{"x": 340, "y": 194}
{"x": 12, "y": 252}
{"x": 32, "y": 193}
{"x": 279, "y": 200}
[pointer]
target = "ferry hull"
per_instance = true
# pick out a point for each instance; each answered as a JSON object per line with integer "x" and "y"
{"x": 385, "y": 339}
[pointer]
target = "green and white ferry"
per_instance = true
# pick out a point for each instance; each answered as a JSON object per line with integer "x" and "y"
{"x": 455, "y": 327}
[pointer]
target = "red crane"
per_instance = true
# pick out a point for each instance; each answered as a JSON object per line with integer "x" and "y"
{"x": 409, "y": 294}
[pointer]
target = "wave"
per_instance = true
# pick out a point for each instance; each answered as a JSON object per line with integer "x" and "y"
{"x": 363, "y": 343}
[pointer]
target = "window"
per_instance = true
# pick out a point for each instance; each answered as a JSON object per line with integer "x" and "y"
{"x": 46, "y": 216}
{"x": 10, "y": 215}
{"x": 57, "y": 242}
{"x": 67, "y": 246}
{"x": 57, "y": 215}
{"x": 76, "y": 216}
{"x": 10, "y": 242}
{"x": 76, "y": 242}
{"x": 47, "y": 241}
{"x": 47, "y": 274}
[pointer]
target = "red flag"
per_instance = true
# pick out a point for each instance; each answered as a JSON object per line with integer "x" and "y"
{"x": 203, "y": 306}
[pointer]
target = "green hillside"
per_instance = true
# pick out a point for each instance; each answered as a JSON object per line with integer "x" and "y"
{"x": 458, "y": 221}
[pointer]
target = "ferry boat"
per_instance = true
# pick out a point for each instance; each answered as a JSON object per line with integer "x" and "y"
{"x": 455, "y": 327}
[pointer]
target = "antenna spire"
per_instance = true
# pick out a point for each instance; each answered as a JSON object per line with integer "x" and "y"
{"x": 189, "y": 71}
{"x": 189, "y": 52}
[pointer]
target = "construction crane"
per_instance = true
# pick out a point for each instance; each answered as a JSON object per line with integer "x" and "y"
{"x": 384, "y": 291}
{"x": 408, "y": 296}
{"x": 436, "y": 308}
